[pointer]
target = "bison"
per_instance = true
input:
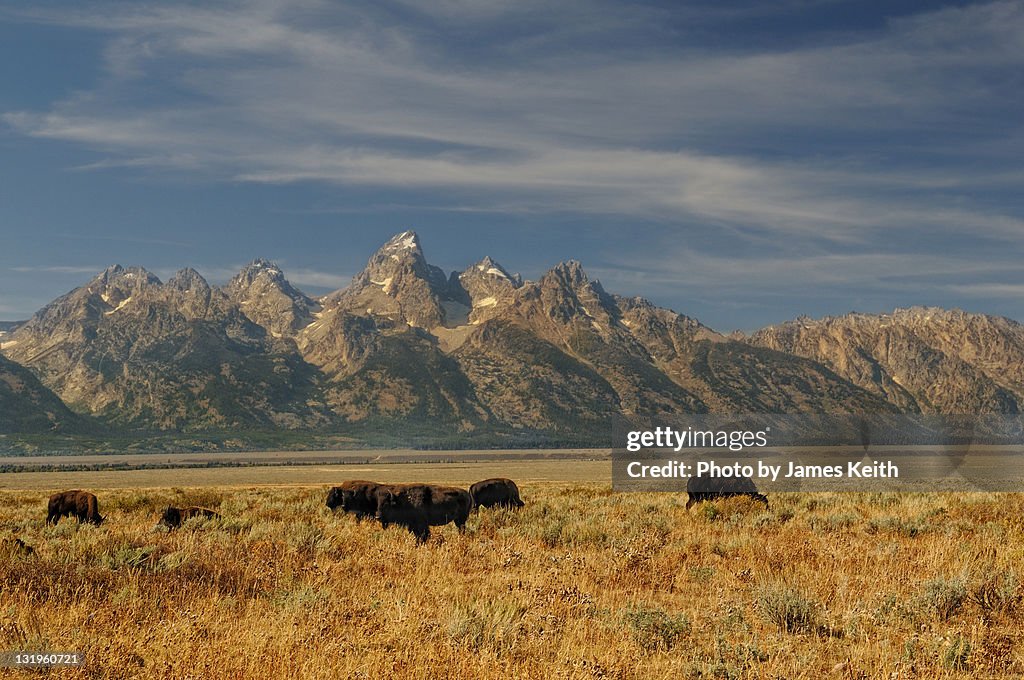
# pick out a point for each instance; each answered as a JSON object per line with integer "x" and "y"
{"x": 418, "y": 507}
{"x": 173, "y": 517}
{"x": 357, "y": 497}
{"x": 80, "y": 504}
{"x": 700, "y": 489}
{"x": 501, "y": 492}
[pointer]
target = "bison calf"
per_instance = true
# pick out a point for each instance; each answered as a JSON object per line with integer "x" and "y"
{"x": 77, "y": 503}
{"x": 700, "y": 489}
{"x": 499, "y": 491}
{"x": 173, "y": 517}
{"x": 356, "y": 497}
{"x": 418, "y": 507}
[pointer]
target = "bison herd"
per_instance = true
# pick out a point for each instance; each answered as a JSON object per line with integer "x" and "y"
{"x": 417, "y": 507}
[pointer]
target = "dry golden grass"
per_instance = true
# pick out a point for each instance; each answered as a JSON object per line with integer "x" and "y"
{"x": 580, "y": 583}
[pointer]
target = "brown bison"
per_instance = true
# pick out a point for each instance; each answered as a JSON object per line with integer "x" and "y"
{"x": 418, "y": 507}
{"x": 16, "y": 545}
{"x": 357, "y": 497}
{"x": 501, "y": 492}
{"x": 173, "y": 517}
{"x": 77, "y": 503}
{"x": 700, "y": 489}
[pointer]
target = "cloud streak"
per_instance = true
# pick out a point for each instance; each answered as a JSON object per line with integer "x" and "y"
{"x": 304, "y": 92}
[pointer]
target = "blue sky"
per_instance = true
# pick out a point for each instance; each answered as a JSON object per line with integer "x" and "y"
{"x": 740, "y": 162}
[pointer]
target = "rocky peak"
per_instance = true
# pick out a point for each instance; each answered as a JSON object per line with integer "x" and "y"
{"x": 123, "y": 277}
{"x": 262, "y": 277}
{"x": 491, "y": 269}
{"x": 189, "y": 279}
{"x": 570, "y": 276}
{"x": 399, "y": 245}
{"x": 486, "y": 283}
{"x": 266, "y": 297}
{"x": 569, "y": 280}
{"x": 398, "y": 283}
{"x": 256, "y": 270}
{"x": 403, "y": 257}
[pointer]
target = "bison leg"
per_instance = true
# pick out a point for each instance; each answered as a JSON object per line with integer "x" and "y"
{"x": 689, "y": 502}
{"x": 421, "y": 531}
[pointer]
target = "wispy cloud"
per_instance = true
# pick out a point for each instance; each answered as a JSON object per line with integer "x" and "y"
{"x": 1012, "y": 291}
{"x": 59, "y": 269}
{"x": 317, "y": 279}
{"x": 304, "y": 92}
{"x": 147, "y": 240}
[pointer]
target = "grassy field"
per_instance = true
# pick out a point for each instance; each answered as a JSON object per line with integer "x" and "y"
{"x": 582, "y": 583}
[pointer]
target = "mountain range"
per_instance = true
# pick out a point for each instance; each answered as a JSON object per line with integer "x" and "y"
{"x": 477, "y": 355}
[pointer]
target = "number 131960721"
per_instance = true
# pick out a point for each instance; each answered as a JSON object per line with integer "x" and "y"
{"x": 35, "y": 659}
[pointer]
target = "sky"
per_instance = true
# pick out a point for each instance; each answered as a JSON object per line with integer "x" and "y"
{"x": 743, "y": 163}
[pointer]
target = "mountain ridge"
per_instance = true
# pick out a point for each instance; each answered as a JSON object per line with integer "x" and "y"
{"x": 478, "y": 350}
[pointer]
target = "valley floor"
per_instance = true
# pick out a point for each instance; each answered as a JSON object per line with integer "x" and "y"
{"x": 582, "y": 582}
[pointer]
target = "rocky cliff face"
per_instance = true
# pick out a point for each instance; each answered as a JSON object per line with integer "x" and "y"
{"x": 26, "y": 406}
{"x": 477, "y": 350}
{"x": 925, "y": 360}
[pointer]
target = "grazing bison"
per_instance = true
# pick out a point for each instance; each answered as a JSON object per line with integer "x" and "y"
{"x": 16, "y": 545}
{"x": 501, "y": 492}
{"x": 700, "y": 489}
{"x": 80, "y": 504}
{"x": 173, "y": 517}
{"x": 357, "y": 497}
{"x": 418, "y": 507}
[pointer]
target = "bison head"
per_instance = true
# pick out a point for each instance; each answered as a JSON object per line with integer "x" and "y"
{"x": 171, "y": 517}
{"x": 334, "y": 498}
{"x": 386, "y": 502}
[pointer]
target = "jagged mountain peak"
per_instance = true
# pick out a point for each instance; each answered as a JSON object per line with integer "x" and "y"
{"x": 408, "y": 240}
{"x": 399, "y": 284}
{"x": 569, "y": 274}
{"x": 133, "y": 275}
{"x": 188, "y": 279}
{"x": 401, "y": 252}
{"x": 260, "y": 269}
{"x": 486, "y": 285}
{"x": 266, "y": 297}
{"x": 488, "y": 267}
{"x": 400, "y": 246}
